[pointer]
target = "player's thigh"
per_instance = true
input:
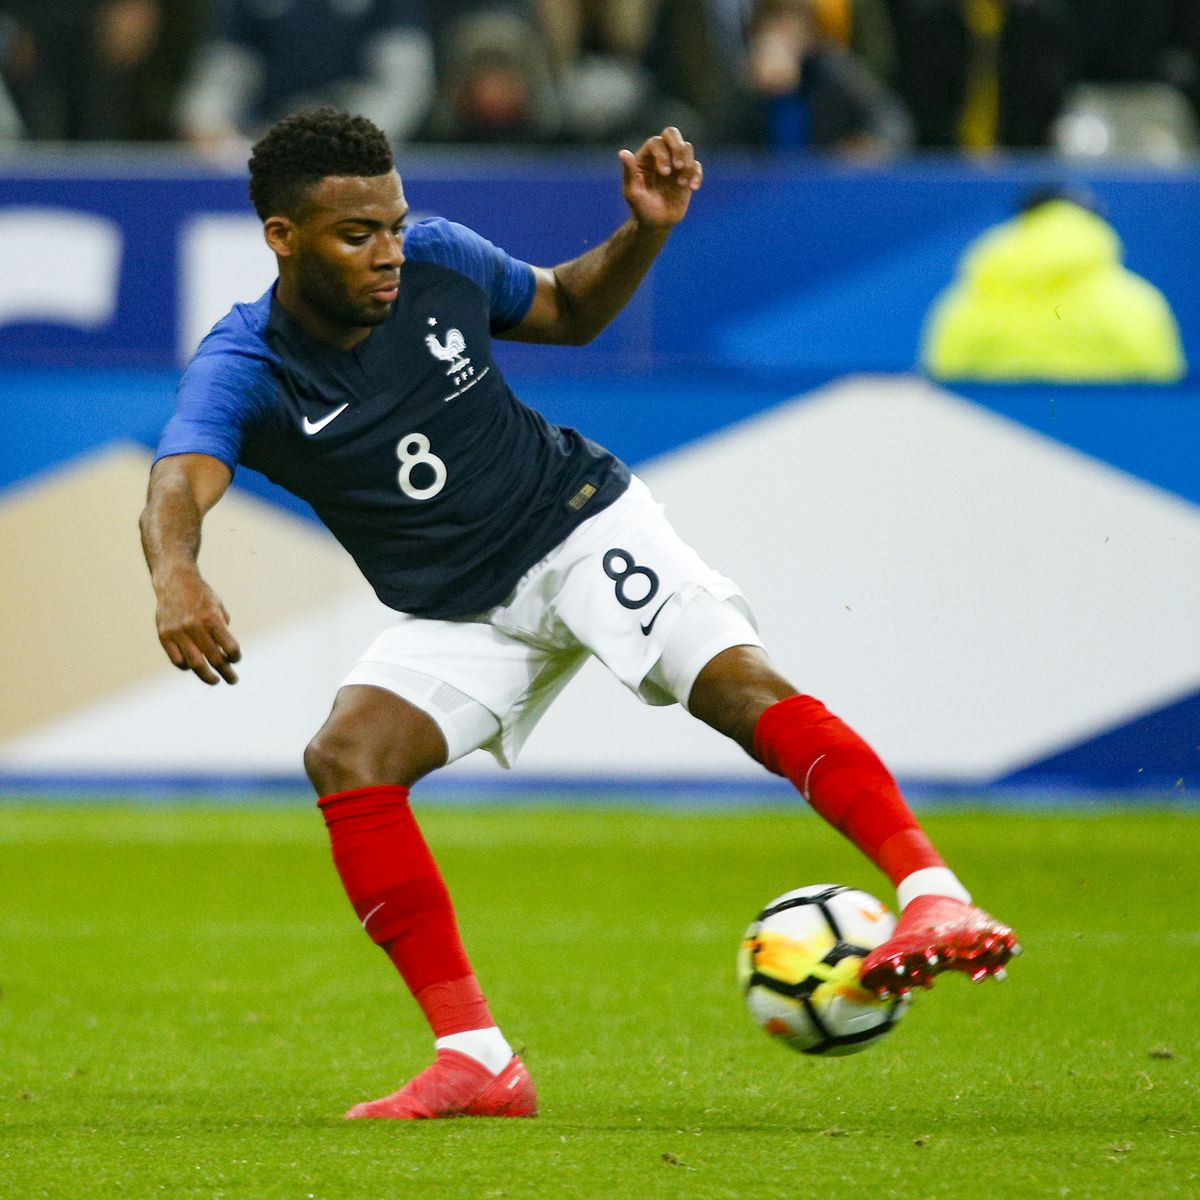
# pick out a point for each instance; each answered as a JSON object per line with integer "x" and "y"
{"x": 468, "y": 677}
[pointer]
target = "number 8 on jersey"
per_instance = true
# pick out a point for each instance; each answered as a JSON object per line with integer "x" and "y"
{"x": 413, "y": 451}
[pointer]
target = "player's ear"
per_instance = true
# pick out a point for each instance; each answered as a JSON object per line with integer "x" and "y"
{"x": 280, "y": 234}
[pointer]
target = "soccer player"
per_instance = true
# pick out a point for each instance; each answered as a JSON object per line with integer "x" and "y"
{"x": 509, "y": 548}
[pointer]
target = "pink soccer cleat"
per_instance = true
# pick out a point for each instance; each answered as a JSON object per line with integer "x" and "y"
{"x": 936, "y": 934}
{"x": 455, "y": 1085}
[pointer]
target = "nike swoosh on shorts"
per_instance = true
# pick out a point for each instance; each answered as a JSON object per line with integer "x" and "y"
{"x": 650, "y": 624}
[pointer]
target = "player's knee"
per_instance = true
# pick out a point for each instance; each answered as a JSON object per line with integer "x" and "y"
{"x": 324, "y": 763}
{"x": 338, "y": 760}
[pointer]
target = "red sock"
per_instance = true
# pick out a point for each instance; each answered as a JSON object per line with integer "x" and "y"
{"x": 844, "y": 781}
{"x": 401, "y": 900}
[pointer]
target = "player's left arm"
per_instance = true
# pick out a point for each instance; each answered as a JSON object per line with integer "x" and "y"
{"x": 575, "y": 300}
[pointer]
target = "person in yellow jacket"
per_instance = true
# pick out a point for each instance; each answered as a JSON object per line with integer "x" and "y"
{"x": 1045, "y": 296}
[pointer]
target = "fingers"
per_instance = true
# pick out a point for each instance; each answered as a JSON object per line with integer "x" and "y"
{"x": 682, "y": 153}
{"x": 227, "y": 643}
{"x": 216, "y": 653}
{"x": 207, "y": 649}
{"x": 657, "y": 153}
{"x": 201, "y": 654}
{"x": 197, "y": 663}
{"x": 629, "y": 167}
{"x": 669, "y": 154}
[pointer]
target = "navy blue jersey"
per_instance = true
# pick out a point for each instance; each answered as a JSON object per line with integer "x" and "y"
{"x": 410, "y": 447}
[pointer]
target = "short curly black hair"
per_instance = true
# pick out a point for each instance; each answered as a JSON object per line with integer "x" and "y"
{"x": 301, "y": 149}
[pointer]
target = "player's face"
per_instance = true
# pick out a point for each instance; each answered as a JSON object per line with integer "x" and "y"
{"x": 349, "y": 250}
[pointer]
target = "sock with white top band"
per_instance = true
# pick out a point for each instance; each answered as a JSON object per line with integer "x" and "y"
{"x": 486, "y": 1046}
{"x": 930, "y": 881}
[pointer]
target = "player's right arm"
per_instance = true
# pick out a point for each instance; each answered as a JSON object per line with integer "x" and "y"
{"x": 193, "y": 624}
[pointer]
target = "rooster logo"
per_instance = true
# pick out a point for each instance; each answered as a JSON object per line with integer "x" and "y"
{"x": 450, "y": 351}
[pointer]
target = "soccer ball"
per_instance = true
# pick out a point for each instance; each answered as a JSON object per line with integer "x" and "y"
{"x": 798, "y": 969}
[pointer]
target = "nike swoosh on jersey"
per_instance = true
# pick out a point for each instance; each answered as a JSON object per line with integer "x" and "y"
{"x": 311, "y": 427}
{"x": 650, "y": 624}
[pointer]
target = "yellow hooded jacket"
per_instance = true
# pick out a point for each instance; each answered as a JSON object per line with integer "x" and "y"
{"x": 1044, "y": 296}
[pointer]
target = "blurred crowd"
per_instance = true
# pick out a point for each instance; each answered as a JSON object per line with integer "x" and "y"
{"x": 866, "y": 78}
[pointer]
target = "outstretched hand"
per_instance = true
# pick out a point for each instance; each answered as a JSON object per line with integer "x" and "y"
{"x": 658, "y": 181}
{"x": 193, "y": 627}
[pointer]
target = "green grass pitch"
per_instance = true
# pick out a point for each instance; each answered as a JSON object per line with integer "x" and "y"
{"x": 188, "y": 1006}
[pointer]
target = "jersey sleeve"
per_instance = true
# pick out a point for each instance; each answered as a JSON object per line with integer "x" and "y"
{"x": 221, "y": 397}
{"x": 508, "y": 282}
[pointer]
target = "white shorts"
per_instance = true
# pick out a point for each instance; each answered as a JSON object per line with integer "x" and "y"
{"x": 623, "y": 586}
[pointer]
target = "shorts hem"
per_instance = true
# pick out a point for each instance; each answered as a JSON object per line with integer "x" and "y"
{"x": 459, "y": 727}
{"x": 700, "y": 659}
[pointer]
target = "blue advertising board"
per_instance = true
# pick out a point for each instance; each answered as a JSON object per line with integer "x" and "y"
{"x": 801, "y": 267}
